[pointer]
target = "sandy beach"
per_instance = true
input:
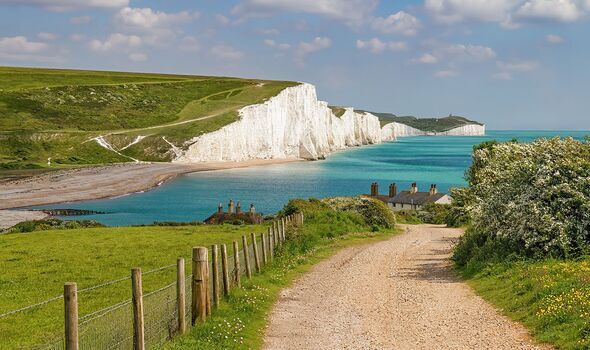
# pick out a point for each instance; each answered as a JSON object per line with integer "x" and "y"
{"x": 97, "y": 182}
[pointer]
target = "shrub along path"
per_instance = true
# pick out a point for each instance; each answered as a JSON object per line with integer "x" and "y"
{"x": 397, "y": 294}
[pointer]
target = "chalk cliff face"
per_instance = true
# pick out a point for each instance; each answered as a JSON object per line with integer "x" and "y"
{"x": 394, "y": 130}
{"x": 293, "y": 124}
{"x": 465, "y": 130}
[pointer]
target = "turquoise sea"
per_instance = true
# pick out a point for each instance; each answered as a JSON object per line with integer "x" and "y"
{"x": 423, "y": 159}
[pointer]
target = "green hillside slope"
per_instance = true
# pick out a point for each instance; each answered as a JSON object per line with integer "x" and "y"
{"x": 426, "y": 124}
{"x": 50, "y": 113}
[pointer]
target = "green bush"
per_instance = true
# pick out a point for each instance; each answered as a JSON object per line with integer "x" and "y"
{"x": 374, "y": 211}
{"x": 433, "y": 213}
{"x": 51, "y": 224}
{"x": 530, "y": 199}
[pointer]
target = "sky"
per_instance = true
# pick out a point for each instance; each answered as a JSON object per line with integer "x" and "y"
{"x": 512, "y": 64}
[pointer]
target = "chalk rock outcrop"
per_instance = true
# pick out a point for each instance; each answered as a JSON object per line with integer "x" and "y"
{"x": 292, "y": 124}
{"x": 465, "y": 130}
{"x": 394, "y": 130}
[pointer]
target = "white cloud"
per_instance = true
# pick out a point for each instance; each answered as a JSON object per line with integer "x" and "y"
{"x": 507, "y": 69}
{"x": 554, "y": 39}
{"x": 449, "y": 73}
{"x": 502, "y": 76}
{"x": 20, "y": 44}
{"x": 508, "y": 13}
{"x": 465, "y": 53}
{"x": 274, "y": 44}
{"x": 148, "y": 19}
{"x": 190, "y": 44}
{"x": 452, "y": 11}
{"x": 352, "y": 12}
{"x": 221, "y": 19}
{"x": 558, "y": 10}
{"x": 526, "y": 66}
{"x": 426, "y": 59}
{"x": 377, "y": 46}
{"x": 47, "y": 36}
{"x": 399, "y": 23}
{"x": 77, "y": 37}
{"x": 65, "y": 5}
{"x": 227, "y": 53}
{"x": 305, "y": 48}
{"x": 456, "y": 54}
{"x": 138, "y": 57}
{"x": 81, "y": 20}
{"x": 115, "y": 41}
{"x": 267, "y": 31}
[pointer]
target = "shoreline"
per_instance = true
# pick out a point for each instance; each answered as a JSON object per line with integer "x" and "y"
{"x": 82, "y": 184}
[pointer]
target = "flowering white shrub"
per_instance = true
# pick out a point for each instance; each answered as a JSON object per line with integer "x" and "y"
{"x": 536, "y": 196}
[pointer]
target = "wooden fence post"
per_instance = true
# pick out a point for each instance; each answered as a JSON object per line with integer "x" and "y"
{"x": 237, "y": 264}
{"x": 256, "y": 257}
{"x": 280, "y": 232}
{"x": 199, "y": 286}
{"x": 246, "y": 256}
{"x": 224, "y": 270}
{"x": 71, "y": 315}
{"x": 284, "y": 232}
{"x": 180, "y": 295}
{"x": 264, "y": 251}
{"x": 138, "y": 321}
{"x": 215, "y": 271}
{"x": 271, "y": 244}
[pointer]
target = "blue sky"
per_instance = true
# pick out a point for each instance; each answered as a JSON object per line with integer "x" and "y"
{"x": 514, "y": 64}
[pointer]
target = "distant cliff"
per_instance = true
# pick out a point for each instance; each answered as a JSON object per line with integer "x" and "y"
{"x": 295, "y": 124}
{"x": 292, "y": 124}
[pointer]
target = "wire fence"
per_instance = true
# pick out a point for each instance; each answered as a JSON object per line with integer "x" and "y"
{"x": 112, "y": 327}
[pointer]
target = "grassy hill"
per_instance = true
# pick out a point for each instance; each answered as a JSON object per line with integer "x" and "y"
{"x": 426, "y": 124}
{"x": 53, "y": 113}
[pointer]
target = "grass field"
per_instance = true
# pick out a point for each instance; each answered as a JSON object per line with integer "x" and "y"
{"x": 550, "y": 297}
{"x": 47, "y": 113}
{"x": 36, "y": 265}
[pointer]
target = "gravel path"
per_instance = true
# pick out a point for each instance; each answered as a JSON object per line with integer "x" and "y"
{"x": 396, "y": 294}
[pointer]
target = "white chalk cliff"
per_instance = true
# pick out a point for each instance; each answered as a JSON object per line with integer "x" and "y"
{"x": 295, "y": 124}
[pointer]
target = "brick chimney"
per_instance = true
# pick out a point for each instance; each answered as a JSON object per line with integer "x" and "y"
{"x": 374, "y": 189}
{"x": 220, "y": 208}
{"x": 252, "y": 209}
{"x": 433, "y": 190}
{"x": 414, "y": 188}
{"x": 392, "y": 190}
{"x": 230, "y": 207}
{"x": 239, "y": 208}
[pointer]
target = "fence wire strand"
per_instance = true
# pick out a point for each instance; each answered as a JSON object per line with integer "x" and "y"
{"x": 112, "y": 327}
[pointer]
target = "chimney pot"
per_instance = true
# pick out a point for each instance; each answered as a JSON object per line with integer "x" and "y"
{"x": 231, "y": 206}
{"x": 220, "y": 208}
{"x": 239, "y": 208}
{"x": 392, "y": 190}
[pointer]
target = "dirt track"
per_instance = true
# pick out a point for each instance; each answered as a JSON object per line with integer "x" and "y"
{"x": 396, "y": 294}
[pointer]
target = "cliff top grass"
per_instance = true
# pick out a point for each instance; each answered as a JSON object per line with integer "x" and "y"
{"x": 426, "y": 124}
{"x": 55, "y": 113}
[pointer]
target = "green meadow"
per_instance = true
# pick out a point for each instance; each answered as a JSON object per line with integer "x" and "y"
{"x": 51, "y": 113}
{"x": 36, "y": 265}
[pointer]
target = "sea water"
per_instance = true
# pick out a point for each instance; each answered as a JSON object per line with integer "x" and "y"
{"x": 424, "y": 159}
